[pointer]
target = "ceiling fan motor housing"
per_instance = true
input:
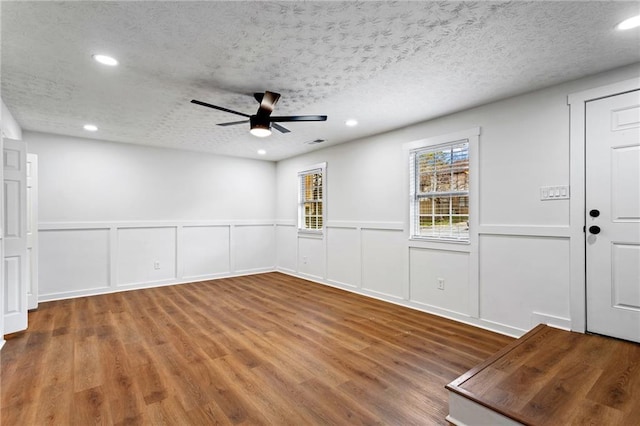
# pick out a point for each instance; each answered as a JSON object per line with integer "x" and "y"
{"x": 260, "y": 122}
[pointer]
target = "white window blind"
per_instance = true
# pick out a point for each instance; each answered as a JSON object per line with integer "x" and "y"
{"x": 439, "y": 185}
{"x": 311, "y": 200}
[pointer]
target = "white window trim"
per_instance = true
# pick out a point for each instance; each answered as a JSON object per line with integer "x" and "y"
{"x": 313, "y": 232}
{"x": 472, "y": 136}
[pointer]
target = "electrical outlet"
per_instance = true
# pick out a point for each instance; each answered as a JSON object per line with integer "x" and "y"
{"x": 156, "y": 265}
{"x": 304, "y": 260}
{"x": 440, "y": 283}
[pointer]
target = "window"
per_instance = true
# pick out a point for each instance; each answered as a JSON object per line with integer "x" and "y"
{"x": 311, "y": 205}
{"x": 439, "y": 185}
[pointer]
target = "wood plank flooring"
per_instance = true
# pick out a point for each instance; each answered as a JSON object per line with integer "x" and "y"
{"x": 264, "y": 349}
{"x": 556, "y": 377}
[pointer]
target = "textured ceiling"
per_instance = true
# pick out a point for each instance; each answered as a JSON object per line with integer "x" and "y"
{"x": 387, "y": 64}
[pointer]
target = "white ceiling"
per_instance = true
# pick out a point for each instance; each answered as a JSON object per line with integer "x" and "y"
{"x": 387, "y": 64}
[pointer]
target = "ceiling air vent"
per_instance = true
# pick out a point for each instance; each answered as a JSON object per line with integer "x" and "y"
{"x": 316, "y": 141}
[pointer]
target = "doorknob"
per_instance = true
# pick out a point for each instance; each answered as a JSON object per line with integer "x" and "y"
{"x": 594, "y": 213}
{"x": 594, "y": 229}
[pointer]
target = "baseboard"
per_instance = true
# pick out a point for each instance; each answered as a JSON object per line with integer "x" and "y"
{"x": 550, "y": 320}
{"x": 476, "y": 322}
{"x": 139, "y": 286}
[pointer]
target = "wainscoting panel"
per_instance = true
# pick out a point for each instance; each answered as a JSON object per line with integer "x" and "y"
{"x": 428, "y": 267}
{"x": 311, "y": 257}
{"x": 343, "y": 256}
{"x": 286, "y": 236}
{"x": 254, "y": 248}
{"x": 520, "y": 275}
{"x": 146, "y": 255}
{"x": 384, "y": 261}
{"x": 80, "y": 259}
{"x": 205, "y": 251}
{"x": 73, "y": 260}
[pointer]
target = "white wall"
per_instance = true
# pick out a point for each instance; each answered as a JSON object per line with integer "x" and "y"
{"x": 118, "y": 216}
{"x": 522, "y": 275}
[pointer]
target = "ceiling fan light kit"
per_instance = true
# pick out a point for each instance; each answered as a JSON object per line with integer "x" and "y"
{"x": 261, "y": 122}
{"x": 260, "y": 126}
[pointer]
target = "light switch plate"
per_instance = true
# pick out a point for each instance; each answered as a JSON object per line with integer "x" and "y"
{"x": 559, "y": 192}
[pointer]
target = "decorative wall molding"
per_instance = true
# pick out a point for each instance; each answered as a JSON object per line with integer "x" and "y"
{"x": 48, "y": 226}
{"x": 139, "y": 286}
{"x": 282, "y": 222}
{"x": 551, "y": 231}
{"x": 121, "y": 256}
{"x": 439, "y": 245}
{"x": 352, "y": 248}
{"x": 390, "y": 226}
{"x": 236, "y": 242}
{"x": 377, "y": 259}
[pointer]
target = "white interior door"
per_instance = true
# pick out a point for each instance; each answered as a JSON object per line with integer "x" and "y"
{"x": 15, "y": 236}
{"x": 613, "y": 215}
{"x": 32, "y": 231}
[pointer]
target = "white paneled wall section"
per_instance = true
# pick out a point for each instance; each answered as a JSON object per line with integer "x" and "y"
{"x": 117, "y": 217}
{"x": 514, "y": 276}
{"x": 81, "y": 259}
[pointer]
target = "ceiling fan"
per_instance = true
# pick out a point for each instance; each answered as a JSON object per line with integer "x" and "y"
{"x": 261, "y": 121}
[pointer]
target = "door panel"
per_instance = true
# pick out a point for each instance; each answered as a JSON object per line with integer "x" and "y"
{"x": 15, "y": 239}
{"x": 624, "y": 174}
{"x": 613, "y": 216}
{"x": 626, "y": 276}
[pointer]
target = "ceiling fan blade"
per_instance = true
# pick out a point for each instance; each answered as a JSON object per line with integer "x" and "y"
{"x": 268, "y": 101}
{"x": 299, "y": 118}
{"x": 193, "y": 101}
{"x": 280, "y": 128}
{"x": 232, "y": 123}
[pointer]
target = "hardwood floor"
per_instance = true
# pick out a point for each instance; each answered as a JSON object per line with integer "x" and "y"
{"x": 263, "y": 349}
{"x": 557, "y": 377}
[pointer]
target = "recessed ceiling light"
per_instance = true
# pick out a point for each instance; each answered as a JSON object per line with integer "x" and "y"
{"x": 630, "y": 23}
{"x": 351, "y": 122}
{"x": 90, "y": 127}
{"x": 105, "y": 60}
{"x": 261, "y": 152}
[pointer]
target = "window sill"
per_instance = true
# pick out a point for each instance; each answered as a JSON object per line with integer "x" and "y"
{"x": 448, "y": 245}
{"x": 305, "y": 233}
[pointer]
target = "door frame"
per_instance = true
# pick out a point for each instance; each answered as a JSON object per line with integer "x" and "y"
{"x": 577, "y": 210}
{"x": 32, "y": 231}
